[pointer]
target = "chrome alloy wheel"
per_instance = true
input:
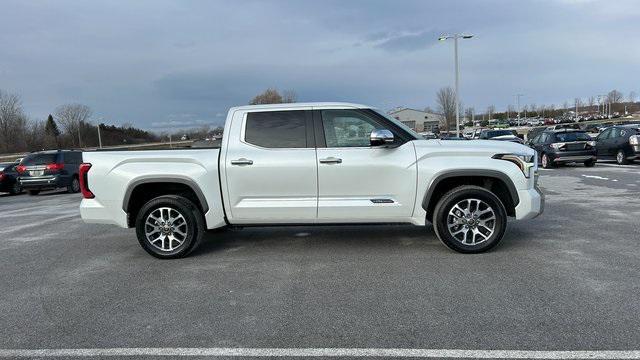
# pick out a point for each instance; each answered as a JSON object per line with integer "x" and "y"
{"x": 620, "y": 157}
{"x": 165, "y": 228}
{"x": 471, "y": 221}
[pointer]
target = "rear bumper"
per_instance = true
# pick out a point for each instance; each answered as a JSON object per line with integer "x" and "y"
{"x": 531, "y": 204}
{"x": 573, "y": 156}
{"x": 42, "y": 182}
{"x": 94, "y": 212}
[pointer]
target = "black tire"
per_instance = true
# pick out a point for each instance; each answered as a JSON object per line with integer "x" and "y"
{"x": 74, "y": 186}
{"x": 621, "y": 158}
{"x": 34, "y": 192}
{"x": 546, "y": 162}
{"x": 589, "y": 163}
{"x": 194, "y": 226}
{"x": 460, "y": 194}
{"x": 15, "y": 188}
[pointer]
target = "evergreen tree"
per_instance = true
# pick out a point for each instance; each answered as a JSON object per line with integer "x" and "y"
{"x": 51, "y": 128}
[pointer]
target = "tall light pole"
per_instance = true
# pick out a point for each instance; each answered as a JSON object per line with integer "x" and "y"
{"x": 455, "y": 38}
{"x": 518, "y": 96}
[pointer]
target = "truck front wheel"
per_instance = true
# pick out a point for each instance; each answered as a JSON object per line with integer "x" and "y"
{"x": 470, "y": 219}
{"x": 169, "y": 226}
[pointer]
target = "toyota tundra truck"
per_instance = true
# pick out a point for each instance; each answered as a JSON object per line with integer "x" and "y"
{"x": 313, "y": 164}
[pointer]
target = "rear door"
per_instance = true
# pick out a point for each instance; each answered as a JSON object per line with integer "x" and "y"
{"x": 358, "y": 182}
{"x": 603, "y": 144}
{"x": 271, "y": 169}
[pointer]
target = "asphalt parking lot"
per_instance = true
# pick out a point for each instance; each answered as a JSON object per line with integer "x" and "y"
{"x": 568, "y": 280}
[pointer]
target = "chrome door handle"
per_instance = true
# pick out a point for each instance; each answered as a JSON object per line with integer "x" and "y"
{"x": 330, "y": 160}
{"x": 242, "y": 161}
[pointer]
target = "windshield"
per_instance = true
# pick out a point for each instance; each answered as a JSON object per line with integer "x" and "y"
{"x": 398, "y": 123}
{"x": 573, "y": 136}
{"x": 494, "y": 133}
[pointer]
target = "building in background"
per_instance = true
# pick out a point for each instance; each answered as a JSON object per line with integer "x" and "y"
{"x": 418, "y": 120}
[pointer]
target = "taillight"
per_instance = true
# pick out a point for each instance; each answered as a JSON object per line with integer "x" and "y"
{"x": 21, "y": 168}
{"x": 1, "y": 176}
{"x": 55, "y": 166}
{"x": 84, "y": 186}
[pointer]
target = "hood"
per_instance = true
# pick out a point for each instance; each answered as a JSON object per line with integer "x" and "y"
{"x": 477, "y": 147}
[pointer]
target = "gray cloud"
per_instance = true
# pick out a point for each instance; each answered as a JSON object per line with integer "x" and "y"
{"x": 146, "y": 62}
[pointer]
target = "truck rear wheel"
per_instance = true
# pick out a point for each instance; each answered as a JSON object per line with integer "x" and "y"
{"x": 169, "y": 226}
{"x": 470, "y": 219}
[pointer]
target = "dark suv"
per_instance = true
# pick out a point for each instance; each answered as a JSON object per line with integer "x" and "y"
{"x": 564, "y": 146}
{"x": 9, "y": 178}
{"x": 621, "y": 142}
{"x": 47, "y": 170}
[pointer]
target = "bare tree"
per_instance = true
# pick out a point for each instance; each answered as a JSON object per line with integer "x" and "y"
{"x": 632, "y": 96}
{"x": 491, "y": 109}
{"x": 269, "y": 96}
{"x": 72, "y": 117}
{"x": 13, "y": 123}
{"x": 446, "y": 100}
{"x": 591, "y": 101}
{"x": 614, "y": 96}
{"x": 289, "y": 96}
{"x": 565, "y": 105}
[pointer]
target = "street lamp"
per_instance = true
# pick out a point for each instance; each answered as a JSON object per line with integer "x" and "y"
{"x": 518, "y": 96}
{"x": 455, "y": 38}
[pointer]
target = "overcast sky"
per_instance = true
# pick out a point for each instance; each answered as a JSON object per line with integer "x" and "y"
{"x": 159, "y": 64}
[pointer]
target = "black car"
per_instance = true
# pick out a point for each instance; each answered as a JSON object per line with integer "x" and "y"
{"x": 9, "y": 179}
{"x": 48, "y": 170}
{"x": 501, "y": 135}
{"x": 620, "y": 142}
{"x": 564, "y": 146}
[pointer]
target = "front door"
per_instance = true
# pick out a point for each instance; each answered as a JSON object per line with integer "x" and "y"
{"x": 271, "y": 169}
{"x": 358, "y": 182}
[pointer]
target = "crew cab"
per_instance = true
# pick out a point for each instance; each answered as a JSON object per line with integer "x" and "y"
{"x": 313, "y": 163}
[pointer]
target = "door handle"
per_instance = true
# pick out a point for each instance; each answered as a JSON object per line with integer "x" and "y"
{"x": 242, "y": 161}
{"x": 331, "y": 160}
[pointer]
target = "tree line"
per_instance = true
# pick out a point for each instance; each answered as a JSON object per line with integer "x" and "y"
{"x": 70, "y": 126}
{"x": 613, "y": 102}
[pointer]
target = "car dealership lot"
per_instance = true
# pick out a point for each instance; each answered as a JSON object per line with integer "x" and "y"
{"x": 565, "y": 281}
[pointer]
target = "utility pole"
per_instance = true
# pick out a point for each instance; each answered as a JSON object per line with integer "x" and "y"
{"x": 455, "y": 38}
{"x": 99, "y": 137}
{"x": 518, "y": 105}
{"x": 79, "y": 140}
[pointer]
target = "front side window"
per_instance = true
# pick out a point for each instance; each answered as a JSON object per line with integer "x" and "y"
{"x": 347, "y": 128}
{"x": 277, "y": 129}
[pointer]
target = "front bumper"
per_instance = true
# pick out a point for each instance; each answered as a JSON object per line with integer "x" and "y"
{"x": 531, "y": 203}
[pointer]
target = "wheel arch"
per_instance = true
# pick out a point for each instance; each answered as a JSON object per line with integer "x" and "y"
{"x": 142, "y": 190}
{"x": 495, "y": 181}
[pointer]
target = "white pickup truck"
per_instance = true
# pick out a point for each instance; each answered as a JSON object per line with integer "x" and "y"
{"x": 313, "y": 163}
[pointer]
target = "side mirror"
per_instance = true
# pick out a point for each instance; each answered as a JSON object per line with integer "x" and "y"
{"x": 380, "y": 137}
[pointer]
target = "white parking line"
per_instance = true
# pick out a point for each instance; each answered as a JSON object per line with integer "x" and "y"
{"x": 326, "y": 352}
{"x": 618, "y": 166}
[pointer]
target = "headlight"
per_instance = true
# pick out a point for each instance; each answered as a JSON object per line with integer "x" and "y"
{"x": 524, "y": 162}
{"x": 591, "y": 143}
{"x": 634, "y": 139}
{"x": 557, "y": 145}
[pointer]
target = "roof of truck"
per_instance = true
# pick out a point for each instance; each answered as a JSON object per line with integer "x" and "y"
{"x": 335, "y": 105}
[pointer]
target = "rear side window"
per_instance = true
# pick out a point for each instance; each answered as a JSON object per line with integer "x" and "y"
{"x": 277, "y": 129}
{"x": 73, "y": 157}
{"x": 39, "y": 159}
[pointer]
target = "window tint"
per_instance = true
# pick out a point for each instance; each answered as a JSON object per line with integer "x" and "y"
{"x": 615, "y": 132}
{"x": 347, "y": 128}
{"x": 277, "y": 129}
{"x": 73, "y": 157}
{"x": 39, "y": 159}
{"x": 536, "y": 140}
{"x": 604, "y": 135}
{"x": 572, "y": 136}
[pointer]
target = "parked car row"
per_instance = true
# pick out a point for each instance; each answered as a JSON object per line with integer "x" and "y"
{"x": 620, "y": 143}
{"x": 43, "y": 170}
